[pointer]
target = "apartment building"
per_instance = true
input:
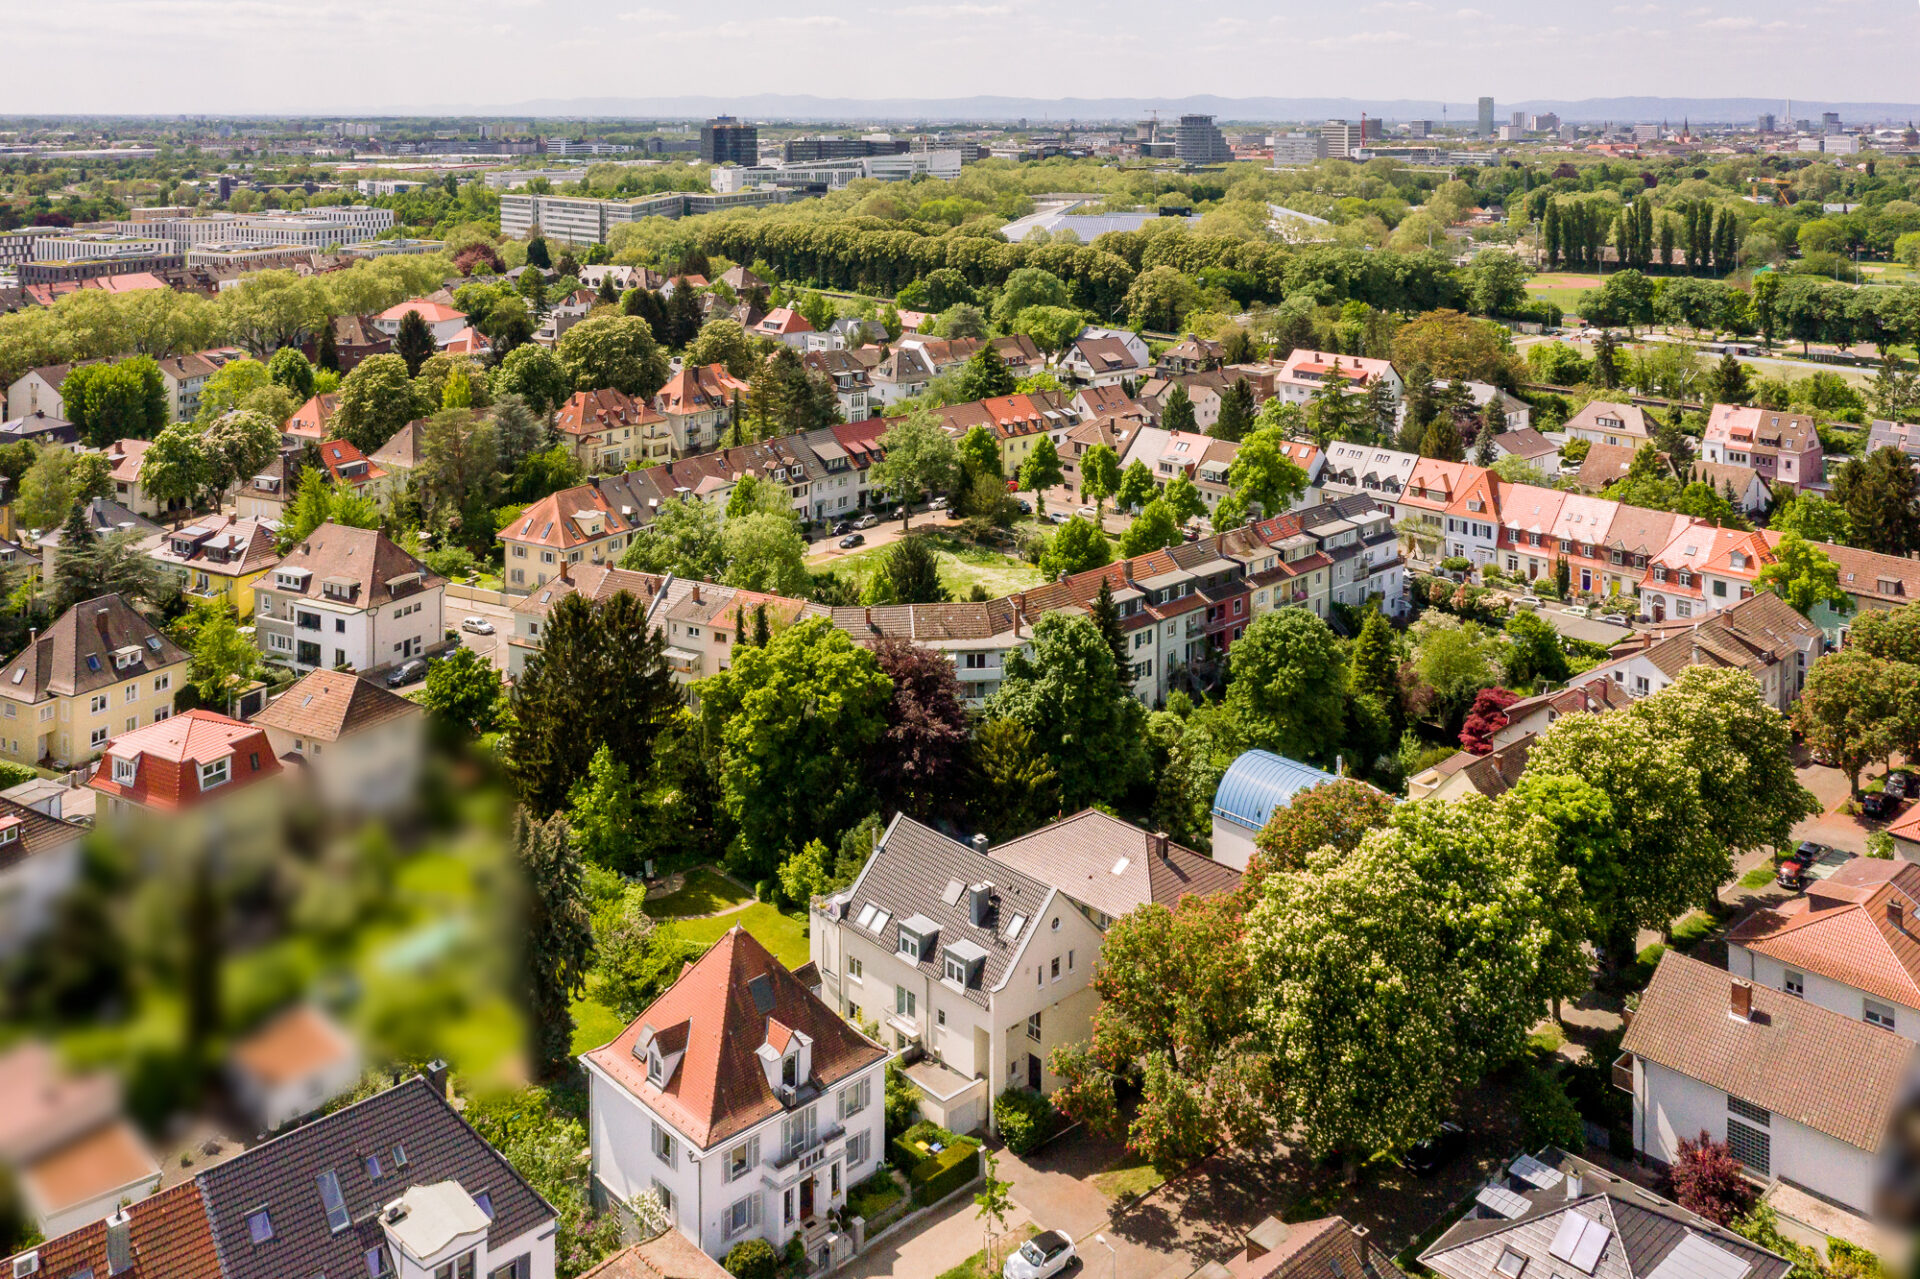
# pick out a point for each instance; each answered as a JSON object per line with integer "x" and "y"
{"x": 1783, "y": 447}
{"x": 607, "y": 429}
{"x": 348, "y": 597}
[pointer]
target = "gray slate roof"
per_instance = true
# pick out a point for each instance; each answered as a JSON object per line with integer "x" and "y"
{"x": 280, "y": 1176}
{"x": 1644, "y": 1229}
{"x": 910, "y": 875}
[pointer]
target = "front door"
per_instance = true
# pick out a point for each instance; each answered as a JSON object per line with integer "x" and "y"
{"x": 1033, "y": 1072}
{"x": 806, "y": 1199}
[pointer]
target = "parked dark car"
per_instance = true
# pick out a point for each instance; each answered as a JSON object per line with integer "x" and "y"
{"x": 852, "y": 540}
{"x": 406, "y": 673}
{"x": 1877, "y": 804}
{"x": 1434, "y": 1152}
{"x": 843, "y": 528}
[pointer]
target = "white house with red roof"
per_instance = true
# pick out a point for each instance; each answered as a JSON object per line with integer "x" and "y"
{"x": 1305, "y": 372}
{"x": 786, "y": 325}
{"x": 444, "y": 322}
{"x": 182, "y": 762}
{"x": 743, "y": 1102}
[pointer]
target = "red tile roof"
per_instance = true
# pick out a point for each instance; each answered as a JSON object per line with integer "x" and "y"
{"x": 169, "y": 1233}
{"x": 1841, "y": 929}
{"x": 168, "y": 755}
{"x": 719, "y": 1087}
{"x": 590, "y": 412}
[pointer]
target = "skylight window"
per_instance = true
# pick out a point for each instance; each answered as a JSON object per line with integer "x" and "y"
{"x": 867, "y": 913}
{"x": 259, "y": 1225}
{"x": 337, "y": 1217}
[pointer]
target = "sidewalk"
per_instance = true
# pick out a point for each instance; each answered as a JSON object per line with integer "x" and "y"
{"x": 932, "y": 1245}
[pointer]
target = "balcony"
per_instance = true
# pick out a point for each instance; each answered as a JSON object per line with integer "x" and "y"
{"x": 809, "y": 1154}
{"x": 1623, "y": 1072}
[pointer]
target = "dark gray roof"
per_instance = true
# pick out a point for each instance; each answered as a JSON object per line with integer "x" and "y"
{"x": 281, "y": 1174}
{"x": 909, "y": 875}
{"x": 1643, "y": 1229}
{"x": 38, "y": 833}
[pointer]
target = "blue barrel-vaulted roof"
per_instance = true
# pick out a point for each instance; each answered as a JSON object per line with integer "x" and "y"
{"x": 1259, "y": 782}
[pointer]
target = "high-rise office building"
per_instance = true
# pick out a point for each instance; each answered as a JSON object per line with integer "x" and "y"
{"x": 724, "y": 140}
{"x": 1486, "y": 117}
{"x": 1765, "y": 122}
{"x": 1830, "y": 122}
{"x": 1197, "y": 141}
{"x": 1342, "y": 138}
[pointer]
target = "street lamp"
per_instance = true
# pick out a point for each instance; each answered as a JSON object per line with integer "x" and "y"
{"x": 1114, "y": 1271}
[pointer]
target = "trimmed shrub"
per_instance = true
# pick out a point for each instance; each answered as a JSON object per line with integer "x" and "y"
{"x": 752, "y": 1259}
{"x": 906, "y": 1154}
{"x": 936, "y": 1178}
{"x": 1026, "y": 1119}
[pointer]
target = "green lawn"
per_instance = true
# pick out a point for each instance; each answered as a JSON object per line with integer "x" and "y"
{"x": 1694, "y": 926}
{"x": 1130, "y": 1174}
{"x": 962, "y": 566}
{"x": 704, "y": 893}
{"x": 1759, "y": 877}
{"x": 782, "y": 934}
{"x": 594, "y": 1023}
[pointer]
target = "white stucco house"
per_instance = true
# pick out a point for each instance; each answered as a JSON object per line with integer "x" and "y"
{"x": 348, "y": 597}
{"x": 981, "y": 966}
{"x": 743, "y": 1103}
{"x": 1800, "y": 1093}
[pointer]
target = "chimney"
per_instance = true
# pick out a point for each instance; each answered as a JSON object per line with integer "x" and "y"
{"x": 437, "y": 1077}
{"x": 1574, "y": 1186}
{"x": 869, "y": 618}
{"x": 979, "y": 903}
{"x": 696, "y": 592}
{"x": 100, "y": 616}
{"x": 980, "y": 845}
{"x": 1897, "y": 914}
{"x": 565, "y": 573}
{"x": 1157, "y": 844}
{"x": 1742, "y": 1006}
{"x": 119, "y": 1243}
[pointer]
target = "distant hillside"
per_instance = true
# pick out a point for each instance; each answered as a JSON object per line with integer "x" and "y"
{"x": 1039, "y": 111}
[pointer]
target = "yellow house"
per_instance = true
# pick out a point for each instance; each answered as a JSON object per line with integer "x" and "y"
{"x": 99, "y": 671}
{"x": 217, "y": 558}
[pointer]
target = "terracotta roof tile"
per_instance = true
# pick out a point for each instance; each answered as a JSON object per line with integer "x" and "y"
{"x": 170, "y": 1239}
{"x": 719, "y": 1087}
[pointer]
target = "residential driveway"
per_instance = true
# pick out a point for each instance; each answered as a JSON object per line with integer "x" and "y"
{"x": 932, "y": 1245}
{"x": 1830, "y": 826}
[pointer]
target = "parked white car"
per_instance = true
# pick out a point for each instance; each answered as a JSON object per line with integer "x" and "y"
{"x": 476, "y": 626}
{"x": 1046, "y": 1254}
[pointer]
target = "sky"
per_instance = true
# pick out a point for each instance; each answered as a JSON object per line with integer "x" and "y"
{"x": 356, "y": 57}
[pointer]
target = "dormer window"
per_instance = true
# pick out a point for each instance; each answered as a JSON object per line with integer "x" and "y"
{"x": 656, "y": 1069}
{"x": 124, "y": 770}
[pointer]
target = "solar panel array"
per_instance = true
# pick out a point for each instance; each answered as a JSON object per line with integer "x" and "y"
{"x": 1502, "y": 1201}
{"x": 1580, "y": 1241}
{"x": 1534, "y": 1173}
{"x": 1697, "y": 1257}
